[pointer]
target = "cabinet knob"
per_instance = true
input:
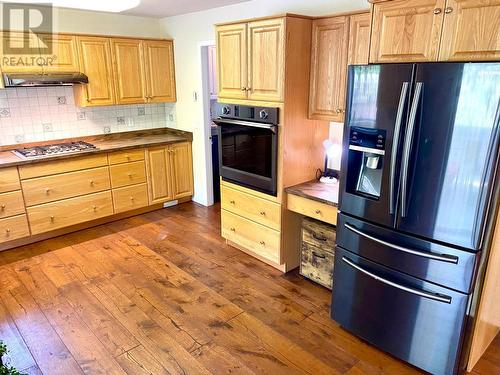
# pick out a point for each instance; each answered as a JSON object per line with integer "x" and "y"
{"x": 129, "y": 175}
{"x": 47, "y": 191}
{"x": 243, "y": 89}
{"x": 91, "y": 182}
{"x": 338, "y": 110}
{"x": 232, "y": 202}
{"x": 437, "y": 11}
{"x": 318, "y": 212}
{"x": 131, "y": 198}
{"x": 448, "y": 10}
{"x": 2, "y": 207}
{"x": 7, "y": 231}
{"x": 263, "y": 213}
{"x": 94, "y": 208}
{"x": 52, "y": 219}
{"x": 233, "y": 229}
{"x": 128, "y": 157}
{"x": 262, "y": 243}
{"x": 249, "y": 89}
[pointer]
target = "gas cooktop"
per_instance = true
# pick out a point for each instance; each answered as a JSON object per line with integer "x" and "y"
{"x": 55, "y": 149}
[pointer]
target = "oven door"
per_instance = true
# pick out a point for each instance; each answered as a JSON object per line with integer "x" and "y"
{"x": 248, "y": 153}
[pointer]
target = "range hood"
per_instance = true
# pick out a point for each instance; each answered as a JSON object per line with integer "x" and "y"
{"x": 51, "y": 79}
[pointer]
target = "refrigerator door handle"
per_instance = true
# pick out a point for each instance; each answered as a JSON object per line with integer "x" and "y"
{"x": 440, "y": 257}
{"x": 407, "y": 147}
{"x": 395, "y": 145}
{"x": 436, "y": 297}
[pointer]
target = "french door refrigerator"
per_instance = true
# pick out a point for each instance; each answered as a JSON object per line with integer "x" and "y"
{"x": 416, "y": 194}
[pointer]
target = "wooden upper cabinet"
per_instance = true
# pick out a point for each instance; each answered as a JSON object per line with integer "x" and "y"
{"x": 471, "y": 30}
{"x": 406, "y": 30}
{"x": 60, "y": 52}
{"x": 182, "y": 170}
{"x": 359, "y": 38}
{"x": 266, "y": 60}
{"x": 20, "y": 53}
{"x": 160, "y": 73}
{"x": 328, "y": 68}
{"x": 159, "y": 175}
{"x": 232, "y": 61}
{"x": 95, "y": 62}
{"x": 129, "y": 77}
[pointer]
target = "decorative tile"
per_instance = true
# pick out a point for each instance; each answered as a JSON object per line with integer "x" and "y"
{"x": 61, "y": 100}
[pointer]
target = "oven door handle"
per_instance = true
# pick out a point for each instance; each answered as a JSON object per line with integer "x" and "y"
{"x": 221, "y": 121}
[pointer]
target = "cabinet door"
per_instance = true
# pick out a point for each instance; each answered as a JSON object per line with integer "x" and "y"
{"x": 20, "y": 53}
{"x": 95, "y": 62}
{"x": 62, "y": 50}
{"x": 182, "y": 169}
{"x": 232, "y": 60}
{"x": 359, "y": 38}
{"x": 471, "y": 30}
{"x": 406, "y": 30}
{"x": 266, "y": 60}
{"x": 328, "y": 68}
{"x": 159, "y": 172}
{"x": 128, "y": 66}
{"x": 160, "y": 73}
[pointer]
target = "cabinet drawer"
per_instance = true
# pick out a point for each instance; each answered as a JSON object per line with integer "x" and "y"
{"x": 261, "y": 240}
{"x": 68, "y": 212}
{"x": 9, "y": 179}
{"x": 251, "y": 207}
{"x": 128, "y": 174}
{"x": 317, "y": 264}
{"x": 126, "y": 156}
{"x": 62, "y": 166}
{"x": 67, "y": 185}
{"x": 11, "y": 204}
{"x": 130, "y": 197}
{"x": 318, "y": 234}
{"x": 314, "y": 209}
{"x": 13, "y": 228}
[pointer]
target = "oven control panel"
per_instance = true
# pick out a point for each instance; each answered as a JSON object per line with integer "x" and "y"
{"x": 265, "y": 115}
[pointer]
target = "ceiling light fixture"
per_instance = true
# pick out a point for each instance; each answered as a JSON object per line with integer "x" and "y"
{"x": 115, "y": 6}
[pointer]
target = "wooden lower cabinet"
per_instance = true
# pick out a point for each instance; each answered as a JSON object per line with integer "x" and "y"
{"x": 67, "y": 212}
{"x": 261, "y": 240}
{"x": 11, "y": 204}
{"x": 127, "y": 174}
{"x": 130, "y": 198}
{"x": 316, "y": 210}
{"x": 9, "y": 180}
{"x": 251, "y": 207}
{"x": 170, "y": 172}
{"x": 13, "y": 228}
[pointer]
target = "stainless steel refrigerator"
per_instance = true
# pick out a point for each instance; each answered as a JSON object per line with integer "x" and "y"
{"x": 418, "y": 185}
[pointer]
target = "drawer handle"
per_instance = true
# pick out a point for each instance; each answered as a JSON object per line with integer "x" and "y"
{"x": 319, "y": 238}
{"x": 128, "y": 157}
{"x": 2, "y": 207}
{"x": 315, "y": 254}
{"x": 262, "y": 243}
{"x": 7, "y": 231}
{"x": 437, "y": 11}
{"x": 94, "y": 208}
{"x": 233, "y": 229}
{"x": 52, "y": 218}
{"x": 91, "y": 182}
{"x": 232, "y": 202}
{"x": 131, "y": 198}
{"x": 130, "y": 175}
{"x": 448, "y": 10}
{"x": 263, "y": 213}
{"x": 318, "y": 212}
{"x": 47, "y": 191}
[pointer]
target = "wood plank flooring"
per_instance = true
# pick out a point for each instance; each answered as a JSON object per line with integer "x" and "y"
{"x": 161, "y": 293}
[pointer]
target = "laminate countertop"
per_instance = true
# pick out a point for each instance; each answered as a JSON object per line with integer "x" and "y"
{"x": 104, "y": 143}
{"x": 317, "y": 191}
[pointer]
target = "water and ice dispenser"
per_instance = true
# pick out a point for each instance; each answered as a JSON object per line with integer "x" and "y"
{"x": 365, "y": 161}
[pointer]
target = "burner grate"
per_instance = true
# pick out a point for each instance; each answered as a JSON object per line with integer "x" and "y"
{"x": 54, "y": 149}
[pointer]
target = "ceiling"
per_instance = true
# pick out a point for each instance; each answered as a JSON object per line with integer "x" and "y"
{"x": 166, "y": 8}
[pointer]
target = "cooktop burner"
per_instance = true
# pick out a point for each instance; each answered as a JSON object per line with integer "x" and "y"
{"x": 55, "y": 149}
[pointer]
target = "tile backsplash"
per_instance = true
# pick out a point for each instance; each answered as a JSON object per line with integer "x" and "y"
{"x": 30, "y": 114}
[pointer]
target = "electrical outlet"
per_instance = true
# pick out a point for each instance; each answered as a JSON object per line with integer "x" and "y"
{"x": 106, "y": 130}
{"x": 47, "y": 127}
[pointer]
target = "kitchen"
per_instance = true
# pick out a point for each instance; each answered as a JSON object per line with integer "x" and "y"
{"x": 116, "y": 269}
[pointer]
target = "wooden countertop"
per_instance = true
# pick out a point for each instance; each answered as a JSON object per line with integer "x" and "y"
{"x": 104, "y": 143}
{"x": 318, "y": 191}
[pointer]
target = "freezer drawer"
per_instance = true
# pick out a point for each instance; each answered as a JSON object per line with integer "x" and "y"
{"x": 416, "y": 321}
{"x": 423, "y": 259}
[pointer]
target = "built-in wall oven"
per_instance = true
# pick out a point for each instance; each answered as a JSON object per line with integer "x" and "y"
{"x": 248, "y": 146}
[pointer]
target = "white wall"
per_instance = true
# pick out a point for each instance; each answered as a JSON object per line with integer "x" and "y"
{"x": 189, "y": 31}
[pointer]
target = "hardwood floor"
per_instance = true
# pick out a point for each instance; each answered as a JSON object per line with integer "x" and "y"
{"x": 161, "y": 293}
